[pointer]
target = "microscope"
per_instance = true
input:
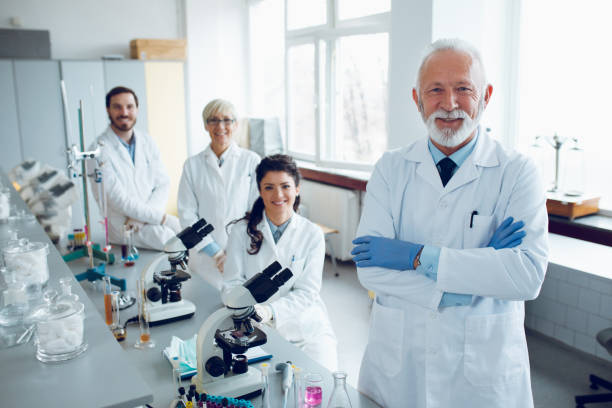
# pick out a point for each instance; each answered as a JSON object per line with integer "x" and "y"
{"x": 219, "y": 372}
{"x": 162, "y": 290}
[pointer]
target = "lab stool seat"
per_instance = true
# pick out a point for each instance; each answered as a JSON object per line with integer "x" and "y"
{"x": 604, "y": 338}
{"x": 327, "y": 232}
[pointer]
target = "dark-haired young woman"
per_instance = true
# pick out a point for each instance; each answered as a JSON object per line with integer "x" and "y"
{"x": 272, "y": 231}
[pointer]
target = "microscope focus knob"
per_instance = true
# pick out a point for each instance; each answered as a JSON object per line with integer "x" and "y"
{"x": 215, "y": 366}
{"x": 154, "y": 294}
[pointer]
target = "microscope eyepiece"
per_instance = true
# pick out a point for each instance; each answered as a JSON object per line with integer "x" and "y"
{"x": 192, "y": 235}
{"x": 271, "y": 269}
{"x": 266, "y": 283}
{"x": 281, "y": 278}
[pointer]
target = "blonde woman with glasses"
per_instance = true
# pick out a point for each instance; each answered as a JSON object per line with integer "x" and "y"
{"x": 217, "y": 184}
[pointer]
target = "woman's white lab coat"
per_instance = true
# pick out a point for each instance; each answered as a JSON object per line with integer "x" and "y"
{"x": 219, "y": 195}
{"x": 470, "y": 356}
{"x": 137, "y": 190}
{"x": 300, "y": 315}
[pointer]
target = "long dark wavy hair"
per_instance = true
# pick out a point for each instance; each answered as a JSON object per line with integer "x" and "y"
{"x": 276, "y": 162}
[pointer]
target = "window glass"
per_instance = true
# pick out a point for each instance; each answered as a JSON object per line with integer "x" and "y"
{"x": 306, "y": 13}
{"x": 565, "y": 88}
{"x": 361, "y": 98}
{"x": 301, "y": 98}
{"x": 361, "y": 8}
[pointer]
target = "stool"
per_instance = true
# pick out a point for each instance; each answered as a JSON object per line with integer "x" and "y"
{"x": 604, "y": 337}
{"x": 327, "y": 231}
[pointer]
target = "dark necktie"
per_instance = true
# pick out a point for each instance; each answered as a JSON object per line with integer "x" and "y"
{"x": 446, "y": 167}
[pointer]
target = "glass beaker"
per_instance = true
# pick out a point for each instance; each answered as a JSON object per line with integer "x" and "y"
{"x": 313, "y": 390}
{"x": 339, "y": 397}
{"x": 129, "y": 253}
{"x": 144, "y": 340}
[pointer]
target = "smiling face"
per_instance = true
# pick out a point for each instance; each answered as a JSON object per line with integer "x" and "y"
{"x": 451, "y": 96}
{"x": 220, "y": 126}
{"x": 278, "y": 192}
{"x": 122, "y": 112}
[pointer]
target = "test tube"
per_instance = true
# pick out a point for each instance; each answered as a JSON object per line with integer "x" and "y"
{"x": 176, "y": 372}
{"x": 144, "y": 340}
{"x": 108, "y": 303}
{"x": 298, "y": 386}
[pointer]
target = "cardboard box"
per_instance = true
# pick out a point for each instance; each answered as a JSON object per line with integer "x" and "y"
{"x": 148, "y": 49}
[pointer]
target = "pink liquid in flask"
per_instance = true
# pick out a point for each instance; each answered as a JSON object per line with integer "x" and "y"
{"x": 313, "y": 396}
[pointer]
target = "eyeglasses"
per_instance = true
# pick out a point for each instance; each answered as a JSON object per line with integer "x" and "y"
{"x": 215, "y": 121}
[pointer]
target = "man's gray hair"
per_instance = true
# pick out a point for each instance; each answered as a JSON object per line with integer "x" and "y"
{"x": 454, "y": 44}
{"x": 219, "y": 106}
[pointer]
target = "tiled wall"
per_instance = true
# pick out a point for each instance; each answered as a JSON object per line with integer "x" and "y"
{"x": 572, "y": 307}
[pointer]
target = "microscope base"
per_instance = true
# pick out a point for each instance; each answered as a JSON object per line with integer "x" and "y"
{"x": 161, "y": 313}
{"x": 235, "y": 386}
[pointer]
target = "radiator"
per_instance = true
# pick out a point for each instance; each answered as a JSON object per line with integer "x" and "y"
{"x": 333, "y": 207}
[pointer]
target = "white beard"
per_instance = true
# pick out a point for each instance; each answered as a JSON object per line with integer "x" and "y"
{"x": 449, "y": 137}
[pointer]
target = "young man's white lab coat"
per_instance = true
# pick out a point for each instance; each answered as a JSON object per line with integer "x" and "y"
{"x": 219, "y": 195}
{"x": 137, "y": 190}
{"x": 300, "y": 315}
{"x": 475, "y": 356}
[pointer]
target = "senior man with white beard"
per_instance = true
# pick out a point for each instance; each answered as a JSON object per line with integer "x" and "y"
{"x": 439, "y": 245}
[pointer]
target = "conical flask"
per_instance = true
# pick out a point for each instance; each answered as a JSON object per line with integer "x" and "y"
{"x": 339, "y": 397}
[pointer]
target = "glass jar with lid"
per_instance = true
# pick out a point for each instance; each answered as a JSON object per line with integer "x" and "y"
{"x": 59, "y": 328}
{"x": 28, "y": 260}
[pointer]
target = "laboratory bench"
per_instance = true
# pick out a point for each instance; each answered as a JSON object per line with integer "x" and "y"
{"x": 113, "y": 374}
{"x": 100, "y": 377}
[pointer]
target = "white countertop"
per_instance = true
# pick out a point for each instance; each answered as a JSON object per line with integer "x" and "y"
{"x": 584, "y": 256}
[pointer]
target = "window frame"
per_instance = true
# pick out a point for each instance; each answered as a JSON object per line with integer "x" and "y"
{"x": 325, "y": 71}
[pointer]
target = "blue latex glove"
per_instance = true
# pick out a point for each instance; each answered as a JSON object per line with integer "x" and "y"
{"x": 384, "y": 252}
{"x": 507, "y": 234}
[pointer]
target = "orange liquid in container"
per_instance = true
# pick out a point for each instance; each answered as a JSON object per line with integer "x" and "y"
{"x": 108, "y": 309}
{"x": 145, "y": 337}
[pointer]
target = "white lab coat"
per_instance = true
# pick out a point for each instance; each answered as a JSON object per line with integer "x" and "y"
{"x": 219, "y": 195}
{"x": 300, "y": 315}
{"x": 136, "y": 190}
{"x": 470, "y": 356}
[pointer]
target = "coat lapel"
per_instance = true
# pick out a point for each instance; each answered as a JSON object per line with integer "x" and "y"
{"x": 426, "y": 169}
{"x": 113, "y": 139}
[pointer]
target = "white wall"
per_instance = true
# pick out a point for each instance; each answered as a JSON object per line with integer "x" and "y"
{"x": 92, "y": 28}
{"x": 217, "y": 62}
{"x": 411, "y": 28}
{"x": 488, "y": 25}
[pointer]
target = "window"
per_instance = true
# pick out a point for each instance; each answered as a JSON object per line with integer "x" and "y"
{"x": 565, "y": 87}
{"x": 336, "y": 62}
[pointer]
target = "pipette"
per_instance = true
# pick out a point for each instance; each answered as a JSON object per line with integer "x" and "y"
{"x": 286, "y": 379}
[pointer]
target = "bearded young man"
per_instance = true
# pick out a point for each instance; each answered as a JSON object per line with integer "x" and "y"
{"x": 439, "y": 245}
{"x": 136, "y": 183}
